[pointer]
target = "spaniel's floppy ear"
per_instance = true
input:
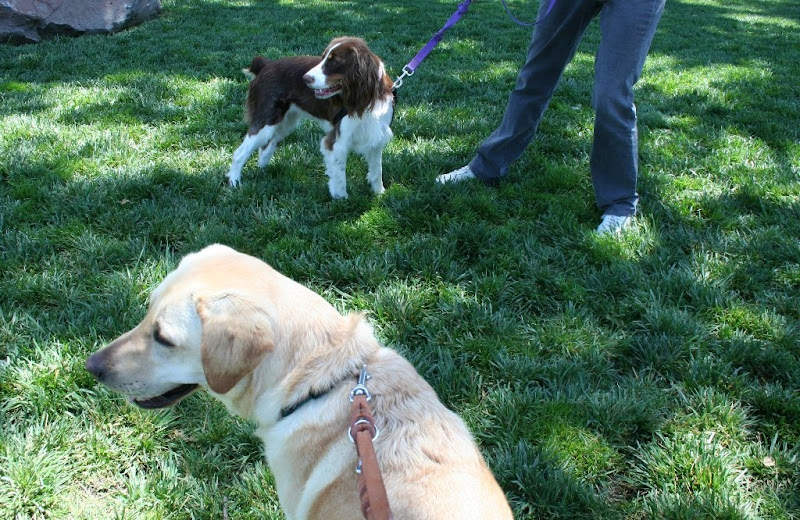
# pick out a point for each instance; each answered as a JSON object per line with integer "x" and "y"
{"x": 362, "y": 81}
{"x": 237, "y": 335}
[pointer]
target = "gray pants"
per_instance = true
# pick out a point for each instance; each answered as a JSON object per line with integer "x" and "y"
{"x": 627, "y": 28}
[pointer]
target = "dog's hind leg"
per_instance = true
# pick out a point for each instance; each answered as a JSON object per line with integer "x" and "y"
{"x": 251, "y": 143}
{"x": 282, "y": 129}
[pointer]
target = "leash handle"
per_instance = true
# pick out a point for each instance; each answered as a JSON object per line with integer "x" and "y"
{"x": 527, "y": 24}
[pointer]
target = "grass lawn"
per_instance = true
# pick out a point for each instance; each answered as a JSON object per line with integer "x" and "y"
{"x": 653, "y": 376}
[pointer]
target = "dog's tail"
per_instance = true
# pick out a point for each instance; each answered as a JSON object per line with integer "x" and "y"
{"x": 257, "y": 64}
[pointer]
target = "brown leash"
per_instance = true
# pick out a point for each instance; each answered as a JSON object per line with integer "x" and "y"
{"x": 363, "y": 432}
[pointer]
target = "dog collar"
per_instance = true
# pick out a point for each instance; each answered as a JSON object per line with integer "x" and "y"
{"x": 339, "y": 116}
{"x": 289, "y": 410}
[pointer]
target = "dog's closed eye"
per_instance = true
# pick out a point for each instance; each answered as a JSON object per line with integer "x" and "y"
{"x": 160, "y": 338}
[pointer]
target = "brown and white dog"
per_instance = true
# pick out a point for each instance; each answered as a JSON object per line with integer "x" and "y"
{"x": 346, "y": 90}
{"x": 273, "y": 351}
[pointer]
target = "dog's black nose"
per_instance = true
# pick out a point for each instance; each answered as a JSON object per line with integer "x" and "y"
{"x": 94, "y": 364}
{"x": 308, "y": 78}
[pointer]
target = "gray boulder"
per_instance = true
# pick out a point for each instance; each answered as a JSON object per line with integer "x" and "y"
{"x": 30, "y": 21}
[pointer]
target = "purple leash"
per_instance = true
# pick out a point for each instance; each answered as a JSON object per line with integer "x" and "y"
{"x": 412, "y": 65}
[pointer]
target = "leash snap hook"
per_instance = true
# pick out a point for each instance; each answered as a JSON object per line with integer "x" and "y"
{"x": 361, "y": 387}
{"x": 399, "y": 81}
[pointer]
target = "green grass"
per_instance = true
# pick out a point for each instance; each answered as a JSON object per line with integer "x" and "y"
{"x": 654, "y": 376}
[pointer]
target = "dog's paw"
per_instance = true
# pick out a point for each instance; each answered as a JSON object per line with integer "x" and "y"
{"x": 234, "y": 182}
{"x": 337, "y": 187}
{"x": 264, "y": 157}
{"x": 378, "y": 189}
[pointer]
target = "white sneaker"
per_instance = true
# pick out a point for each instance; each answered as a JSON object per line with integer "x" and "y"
{"x": 462, "y": 174}
{"x": 613, "y": 224}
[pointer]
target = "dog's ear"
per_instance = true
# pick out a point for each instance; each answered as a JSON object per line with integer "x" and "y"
{"x": 237, "y": 335}
{"x": 362, "y": 81}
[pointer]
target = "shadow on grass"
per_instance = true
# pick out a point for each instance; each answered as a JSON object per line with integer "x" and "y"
{"x": 208, "y": 39}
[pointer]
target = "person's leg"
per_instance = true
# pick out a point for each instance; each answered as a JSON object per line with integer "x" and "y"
{"x": 627, "y": 28}
{"x": 552, "y": 47}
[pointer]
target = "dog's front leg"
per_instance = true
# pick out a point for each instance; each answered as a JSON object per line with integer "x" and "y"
{"x": 374, "y": 158}
{"x": 335, "y": 164}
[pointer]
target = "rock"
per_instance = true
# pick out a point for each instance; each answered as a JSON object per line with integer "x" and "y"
{"x": 30, "y": 21}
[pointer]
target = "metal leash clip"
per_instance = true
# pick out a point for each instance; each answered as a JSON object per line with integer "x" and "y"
{"x": 399, "y": 81}
{"x": 361, "y": 387}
